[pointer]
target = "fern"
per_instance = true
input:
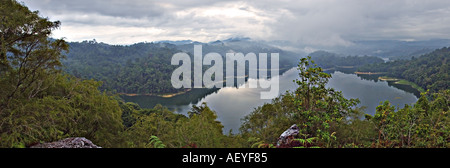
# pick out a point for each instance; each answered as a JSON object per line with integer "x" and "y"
{"x": 302, "y": 141}
{"x": 306, "y": 143}
{"x": 18, "y": 145}
{"x": 256, "y": 143}
{"x": 310, "y": 140}
{"x": 157, "y": 143}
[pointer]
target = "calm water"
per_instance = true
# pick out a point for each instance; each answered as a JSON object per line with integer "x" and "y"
{"x": 232, "y": 104}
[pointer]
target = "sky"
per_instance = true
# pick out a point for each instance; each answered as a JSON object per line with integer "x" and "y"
{"x": 307, "y": 22}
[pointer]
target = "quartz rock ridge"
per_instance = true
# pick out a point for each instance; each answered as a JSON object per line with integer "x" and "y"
{"x": 74, "y": 142}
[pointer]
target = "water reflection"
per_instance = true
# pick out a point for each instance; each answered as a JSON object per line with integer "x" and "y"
{"x": 407, "y": 88}
{"x": 370, "y": 91}
{"x": 232, "y": 104}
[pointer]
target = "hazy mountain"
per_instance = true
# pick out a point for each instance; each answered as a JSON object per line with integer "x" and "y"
{"x": 391, "y": 49}
{"x": 244, "y": 45}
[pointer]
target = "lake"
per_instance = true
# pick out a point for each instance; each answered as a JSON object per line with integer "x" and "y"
{"x": 231, "y": 103}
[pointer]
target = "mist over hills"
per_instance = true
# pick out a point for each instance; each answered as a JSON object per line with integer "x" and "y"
{"x": 392, "y": 49}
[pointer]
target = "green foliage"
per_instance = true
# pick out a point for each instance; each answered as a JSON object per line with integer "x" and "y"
{"x": 158, "y": 121}
{"x": 69, "y": 108}
{"x": 306, "y": 143}
{"x": 356, "y": 133}
{"x": 175, "y": 130}
{"x": 154, "y": 140}
{"x": 202, "y": 128}
{"x": 424, "y": 125}
{"x": 328, "y": 60}
{"x": 254, "y": 142}
{"x": 267, "y": 122}
{"x": 27, "y": 57}
{"x": 316, "y": 109}
{"x": 329, "y": 120}
{"x": 129, "y": 112}
{"x": 37, "y": 102}
{"x": 141, "y": 68}
{"x": 319, "y": 108}
{"x": 257, "y": 143}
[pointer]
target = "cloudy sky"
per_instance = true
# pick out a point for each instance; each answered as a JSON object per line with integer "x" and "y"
{"x": 314, "y": 22}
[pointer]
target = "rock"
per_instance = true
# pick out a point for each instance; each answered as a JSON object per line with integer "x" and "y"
{"x": 288, "y": 135}
{"x": 76, "y": 142}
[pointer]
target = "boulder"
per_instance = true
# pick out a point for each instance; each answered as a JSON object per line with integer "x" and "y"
{"x": 287, "y": 136}
{"x": 75, "y": 142}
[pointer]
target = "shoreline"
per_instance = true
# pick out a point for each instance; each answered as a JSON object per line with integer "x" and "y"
{"x": 398, "y": 81}
{"x": 412, "y": 84}
{"x": 389, "y": 79}
{"x": 165, "y": 95}
{"x": 169, "y": 95}
{"x": 369, "y": 73}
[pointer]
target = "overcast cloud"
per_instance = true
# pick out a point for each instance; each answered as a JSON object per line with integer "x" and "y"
{"x": 309, "y": 22}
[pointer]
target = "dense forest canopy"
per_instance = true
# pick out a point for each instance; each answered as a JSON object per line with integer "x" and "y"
{"x": 37, "y": 101}
{"x": 140, "y": 68}
{"x": 331, "y": 60}
{"x": 429, "y": 71}
{"x": 145, "y": 68}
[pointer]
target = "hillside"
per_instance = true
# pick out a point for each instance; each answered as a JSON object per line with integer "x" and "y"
{"x": 139, "y": 68}
{"x": 328, "y": 60}
{"x": 429, "y": 71}
{"x": 288, "y": 59}
{"x": 144, "y": 68}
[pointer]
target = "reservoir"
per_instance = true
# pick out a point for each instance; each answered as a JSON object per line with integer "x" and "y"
{"x": 231, "y": 103}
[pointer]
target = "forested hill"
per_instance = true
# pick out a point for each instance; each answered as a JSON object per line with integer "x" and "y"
{"x": 144, "y": 68}
{"x": 328, "y": 60}
{"x": 429, "y": 71}
{"x": 288, "y": 59}
{"x": 138, "y": 68}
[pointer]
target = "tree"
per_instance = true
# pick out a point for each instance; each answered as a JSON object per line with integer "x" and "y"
{"x": 202, "y": 129}
{"x": 37, "y": 102}
{"x": 268, "y": 121}
{"x": 27, "y": 56}
{"x": 319, "y": 108}
{"x": 423, "y": 125}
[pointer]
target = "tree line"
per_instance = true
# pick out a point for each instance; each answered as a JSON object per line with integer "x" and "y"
{"x": 141, "y": 68}
{"x": 429, "y": 71}
{"x": 329, "y": 60}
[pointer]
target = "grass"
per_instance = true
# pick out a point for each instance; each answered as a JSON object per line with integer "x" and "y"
{"x": 386, "y": 78}
{"x": 415, "y": 86}
{"x": 401, "y": 82}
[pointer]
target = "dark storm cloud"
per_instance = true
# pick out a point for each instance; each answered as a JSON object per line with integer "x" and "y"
{"x": 315, "y": 22}
{"x": 116, "y": 8}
